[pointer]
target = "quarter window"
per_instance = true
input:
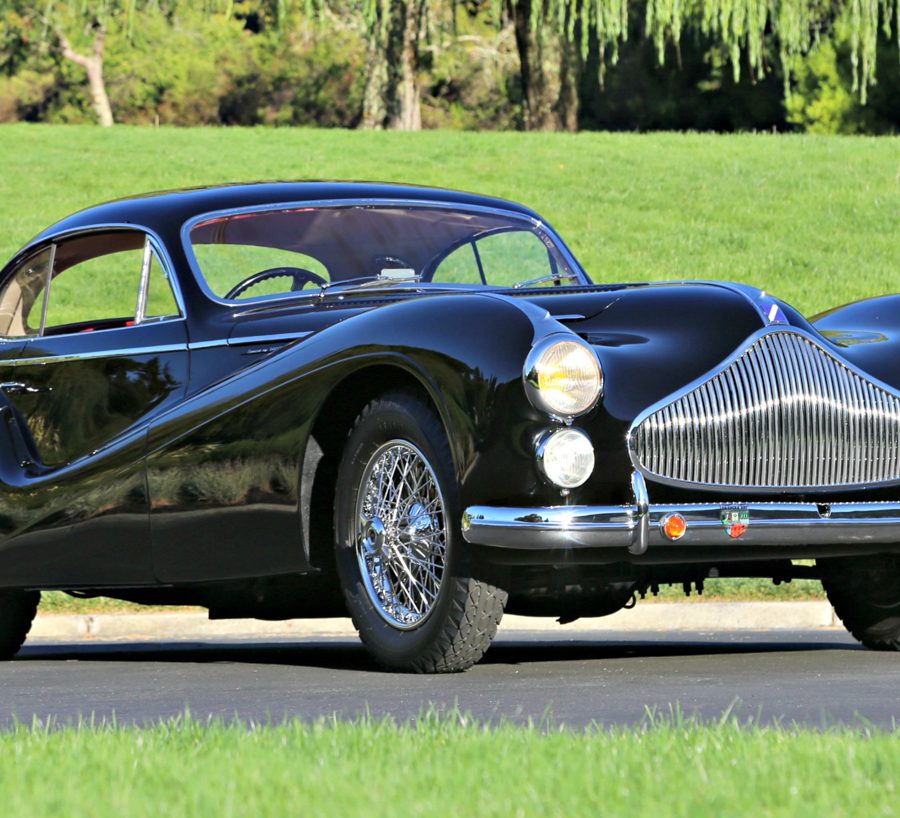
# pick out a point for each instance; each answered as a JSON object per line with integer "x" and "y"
{"x": 22, "y": 298}
{"x": 161, "y": 302}
{"x": 502, "y": 259}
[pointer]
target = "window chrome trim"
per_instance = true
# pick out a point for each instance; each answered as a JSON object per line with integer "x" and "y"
{"x": 46, "y": 303}
{"x": 196, "y": 270}
{"x": 144, "y": 283}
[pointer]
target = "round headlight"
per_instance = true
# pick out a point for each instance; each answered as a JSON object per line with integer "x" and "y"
{"x": 566, "y": 457}
{"x": 563, "y": 377}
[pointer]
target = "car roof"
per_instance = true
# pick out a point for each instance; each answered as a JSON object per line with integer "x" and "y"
{"x": 166, "y": 211}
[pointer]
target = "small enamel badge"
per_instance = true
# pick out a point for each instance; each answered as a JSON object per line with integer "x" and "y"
{"x": 736, "y": 521}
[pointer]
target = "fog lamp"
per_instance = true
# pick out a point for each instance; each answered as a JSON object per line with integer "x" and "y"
{"x": 566, "y": 457}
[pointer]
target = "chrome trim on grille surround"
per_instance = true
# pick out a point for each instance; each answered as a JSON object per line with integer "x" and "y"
{"x": 782, "y": 412}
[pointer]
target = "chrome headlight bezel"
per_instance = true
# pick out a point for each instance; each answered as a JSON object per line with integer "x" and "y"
{"x": 530, "y": 376}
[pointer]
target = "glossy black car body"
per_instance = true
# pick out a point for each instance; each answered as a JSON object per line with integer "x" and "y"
{"x": 143, "y": 417}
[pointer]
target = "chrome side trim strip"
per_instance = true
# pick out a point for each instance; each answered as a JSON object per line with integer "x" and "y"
{"x": 250, "y": 340}
{"x": 159, "y": 349}
{"x": 133, "y": 352}
{"x": 286, "y": 337}
{"x": 567, "y": 528}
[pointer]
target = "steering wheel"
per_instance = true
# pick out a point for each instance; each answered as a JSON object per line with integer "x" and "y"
{"x": 298, "y": 274}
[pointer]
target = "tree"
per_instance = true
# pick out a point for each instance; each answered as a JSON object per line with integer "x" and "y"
{"x": 554, "y": 37}
{"x": 392, "y": 29}
{"x": 93, "y": 65}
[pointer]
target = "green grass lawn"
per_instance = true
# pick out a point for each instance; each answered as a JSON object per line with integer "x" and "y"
{"x": 441, "y": 767}
{"x": 812, "y": 219}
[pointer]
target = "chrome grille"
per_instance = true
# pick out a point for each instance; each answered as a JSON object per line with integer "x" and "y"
{"x": 786, "y": 413}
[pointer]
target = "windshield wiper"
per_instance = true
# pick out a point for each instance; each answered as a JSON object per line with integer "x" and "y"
{"x": 557, "y": 278}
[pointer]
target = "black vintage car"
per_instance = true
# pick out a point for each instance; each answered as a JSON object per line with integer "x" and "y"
{"x": 412, "y": 405}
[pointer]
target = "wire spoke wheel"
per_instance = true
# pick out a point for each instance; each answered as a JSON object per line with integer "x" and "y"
{"x": 410, "y": 583}
{"x": 401, "y": 543}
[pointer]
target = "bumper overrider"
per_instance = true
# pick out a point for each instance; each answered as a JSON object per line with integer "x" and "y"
{"x": 643, "y": 525}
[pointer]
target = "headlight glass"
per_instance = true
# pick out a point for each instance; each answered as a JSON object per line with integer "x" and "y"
{"x": 566, "y": 457}
{"x": 563, "y": 377}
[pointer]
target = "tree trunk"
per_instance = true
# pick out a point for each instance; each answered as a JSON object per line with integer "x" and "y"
{"x": 93, "y": 64}
{"x": 391, "y": 96}
{"x": 548, "y": 72}
{"x": 569, "y": 76}
{"x": 409, "y": 109}
{"x": 377, "y": 83}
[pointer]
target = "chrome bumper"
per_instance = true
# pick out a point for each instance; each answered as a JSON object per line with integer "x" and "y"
{"x": 639, "y": 527}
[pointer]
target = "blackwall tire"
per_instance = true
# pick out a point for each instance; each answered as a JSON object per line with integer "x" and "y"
{"x": 17, "y": 612}
{"x": 408, "y": 578}
{"x": 865, "y": 594}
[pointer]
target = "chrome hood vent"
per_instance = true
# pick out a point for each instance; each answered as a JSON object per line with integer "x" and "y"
{"x": 783, "y": 413}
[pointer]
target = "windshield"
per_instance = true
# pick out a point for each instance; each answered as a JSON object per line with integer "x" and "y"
{"x": 274, "y": 252}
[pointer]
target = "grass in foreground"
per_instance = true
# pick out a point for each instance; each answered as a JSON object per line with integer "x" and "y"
{"x": 813, "y": 220}
{"x": 440, "y": 766}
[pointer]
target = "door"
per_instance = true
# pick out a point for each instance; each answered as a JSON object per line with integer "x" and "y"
{"x": 104, "y": 354}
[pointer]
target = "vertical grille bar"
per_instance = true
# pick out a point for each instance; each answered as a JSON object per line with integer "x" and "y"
{"x": 786, "y": 413}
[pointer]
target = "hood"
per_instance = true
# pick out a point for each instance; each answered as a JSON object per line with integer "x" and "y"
{"x": 653, "y": 339}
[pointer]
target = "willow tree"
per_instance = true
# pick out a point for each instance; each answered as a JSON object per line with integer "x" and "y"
{"x": 742, "y": 26}
{"x": 554, "y": 37}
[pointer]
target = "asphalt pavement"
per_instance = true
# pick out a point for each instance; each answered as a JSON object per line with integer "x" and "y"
{"x": 818, "y": 677}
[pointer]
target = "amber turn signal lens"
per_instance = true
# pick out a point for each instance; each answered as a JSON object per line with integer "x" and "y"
{"x": 674, "y": 526}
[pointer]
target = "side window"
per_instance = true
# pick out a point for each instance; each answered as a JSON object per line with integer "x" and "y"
{"x": 22, "y": 297}
{"x": 94, "y": 284}
{"x": 94, "y": 290}
{"x": 503, "y": 259}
